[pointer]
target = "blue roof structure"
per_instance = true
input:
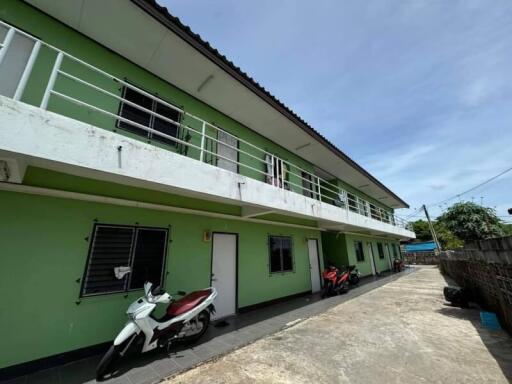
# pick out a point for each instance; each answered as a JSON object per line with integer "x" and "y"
{"x": 427, "y": 246}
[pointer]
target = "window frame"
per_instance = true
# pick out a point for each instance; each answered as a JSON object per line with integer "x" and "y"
{"x": 282, "y": 271}
{"x": 310, "y": 191}
{"x": 380, "y": 250}
{"x": 127, "y": 289}
{"x": 149, "y": 135}
{"x": 352, "y": 202}
{"x": 356, "y": 244}
{"x": 218, "y": 143}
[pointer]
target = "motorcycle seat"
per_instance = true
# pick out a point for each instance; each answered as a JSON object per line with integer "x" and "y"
{"x": 187, "y": 302}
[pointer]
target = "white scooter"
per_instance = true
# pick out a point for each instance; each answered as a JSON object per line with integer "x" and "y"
{"x": 186, "y": 319}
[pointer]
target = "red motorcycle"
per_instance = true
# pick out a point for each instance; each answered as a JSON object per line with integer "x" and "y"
{"x": 336, "y": 281}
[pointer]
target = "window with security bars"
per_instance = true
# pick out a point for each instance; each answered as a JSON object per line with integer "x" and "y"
{"x": 352, "y": 202}
{"x": 141, "y": 250}
{"x": 142, "y": 116}
{"x": 281, "y": 255}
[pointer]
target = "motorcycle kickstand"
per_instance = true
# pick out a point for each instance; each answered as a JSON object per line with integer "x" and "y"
{"x": 169, "y": 344}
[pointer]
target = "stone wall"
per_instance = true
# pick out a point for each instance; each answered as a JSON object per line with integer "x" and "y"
{"x": 485, "y": 267}
{"x": 427, "y": 258}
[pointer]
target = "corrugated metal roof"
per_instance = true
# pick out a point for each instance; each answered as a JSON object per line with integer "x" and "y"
{"x": 427, "y": 246}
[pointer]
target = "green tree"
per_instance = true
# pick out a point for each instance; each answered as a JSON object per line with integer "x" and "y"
{"x": 470, "y": 221}
{"x": 422, "y": 230}
{"x": 507, "y": 229}
{"x": 446, "y": 238}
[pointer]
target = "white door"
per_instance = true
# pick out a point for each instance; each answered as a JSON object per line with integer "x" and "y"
{"x": 314, "y": 266}
{"x": 228, "y": 152}
{"x": 224, "y": 273}
{"x": 372, "y": 260}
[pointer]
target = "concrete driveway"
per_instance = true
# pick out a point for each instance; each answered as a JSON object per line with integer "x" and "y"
{"x": 399, "y": 333}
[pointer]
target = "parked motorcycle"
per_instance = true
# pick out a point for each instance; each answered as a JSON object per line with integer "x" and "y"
{"x": 336, "y": 281}
{"x": 186, "y": 319}
{"x": 398, "y": 265}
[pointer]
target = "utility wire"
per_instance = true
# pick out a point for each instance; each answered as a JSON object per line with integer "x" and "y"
{"x": 417, "y": 211}
{"x": 473, "y": 188}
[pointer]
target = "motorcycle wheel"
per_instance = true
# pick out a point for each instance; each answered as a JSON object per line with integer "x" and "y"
{"x": 354, "y": 280}
{"x": 327, "y": 290}
{"x": 107, "y": 362}
{"x": 204, "y": 319}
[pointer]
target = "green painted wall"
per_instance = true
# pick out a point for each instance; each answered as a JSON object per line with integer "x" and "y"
{"x": 53, "y": 32}
{"x": 335, "y": 248}
{"x": 44, "y": 249}
{"x": 340, "y": 249}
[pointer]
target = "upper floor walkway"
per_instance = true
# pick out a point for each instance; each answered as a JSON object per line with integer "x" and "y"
{"x": 61, "y": 112}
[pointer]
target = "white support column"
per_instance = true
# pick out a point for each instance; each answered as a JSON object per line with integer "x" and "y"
{"x": 6, "y": 43}
{"x": 203, "y": 132}
{"x": 27, "y": 71}
{"x": 51, "y": 82}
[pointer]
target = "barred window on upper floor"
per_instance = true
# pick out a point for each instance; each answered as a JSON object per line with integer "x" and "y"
{"x": 145, "y": 116}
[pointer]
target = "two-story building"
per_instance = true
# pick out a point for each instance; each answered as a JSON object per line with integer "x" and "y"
{"x": 128, "y": 141}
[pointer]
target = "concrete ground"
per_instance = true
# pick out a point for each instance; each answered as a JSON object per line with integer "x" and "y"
{"x": 236, "y": 332}
{"x": 401, "y": 332}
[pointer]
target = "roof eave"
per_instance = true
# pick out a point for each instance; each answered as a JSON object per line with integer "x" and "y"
{"x": 174, "y": 24}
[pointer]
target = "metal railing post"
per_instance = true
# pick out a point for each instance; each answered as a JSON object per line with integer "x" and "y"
{"x": 203, "y": 132}
{"x": 6, "y": 44}
{"x": 282, "y": 173}
{"x": 319, "y": 189}
{"x": 27, "y": 71}
{"x": 51, "y": 81}
{"x": 272, "y": 169}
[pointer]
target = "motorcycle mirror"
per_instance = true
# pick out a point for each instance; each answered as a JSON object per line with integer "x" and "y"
{"x": 157, "y": 291}
{"x": 181, "y": 293}
{"x": 147, "y": 288}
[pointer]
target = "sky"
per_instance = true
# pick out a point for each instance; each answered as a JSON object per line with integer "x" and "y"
{"x": 419, "y": 93}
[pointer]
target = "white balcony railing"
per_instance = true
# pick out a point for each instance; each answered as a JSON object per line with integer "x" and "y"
{"x": 69, "y": 81}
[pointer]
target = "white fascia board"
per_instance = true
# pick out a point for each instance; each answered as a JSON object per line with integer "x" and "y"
{"x": 54, "y": 141}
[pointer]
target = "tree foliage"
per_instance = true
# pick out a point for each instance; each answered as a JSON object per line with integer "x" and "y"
{"x": 507, "y": 229}
{"x": 446, "y": 238}
{"x": 470, "y": 221}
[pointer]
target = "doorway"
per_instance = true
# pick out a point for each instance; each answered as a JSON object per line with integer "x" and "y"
{"x": 314, "y": 265}
{"x": 389, "y": 256}
{"x": 227, "y": 151}
{"x": 224, "y": 273}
